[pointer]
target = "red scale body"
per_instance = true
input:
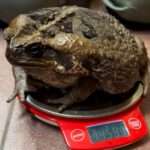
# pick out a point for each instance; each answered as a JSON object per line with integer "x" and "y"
{"x": 77, "y": 137}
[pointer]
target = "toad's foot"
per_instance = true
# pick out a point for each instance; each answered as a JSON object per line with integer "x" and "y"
{"x": 79, "y": 93}
{"x": 17, "y": 92}
{"x": 65, "y": 101}
{"x": 12, "y": 96}
{"x": 20, "y": 85}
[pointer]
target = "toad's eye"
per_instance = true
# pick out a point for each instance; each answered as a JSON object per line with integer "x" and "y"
{"x": 34, "y": 50}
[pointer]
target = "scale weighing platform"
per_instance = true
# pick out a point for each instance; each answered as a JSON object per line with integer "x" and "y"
{"x": 111, "y": 128}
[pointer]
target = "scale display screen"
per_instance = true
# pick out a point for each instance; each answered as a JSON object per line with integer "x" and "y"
{"x": 107, "y": 131}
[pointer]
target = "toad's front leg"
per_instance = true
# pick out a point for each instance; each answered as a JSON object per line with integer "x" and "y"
{"x": 20, "y": 84}
{"x": 79, "y": 93}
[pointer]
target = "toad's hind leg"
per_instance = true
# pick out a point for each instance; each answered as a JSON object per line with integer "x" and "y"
{"x": 79, "y": 93}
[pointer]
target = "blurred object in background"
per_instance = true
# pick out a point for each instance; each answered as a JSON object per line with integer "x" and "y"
{"x": 130, "y": 11}
{"x": 11, "y": 8}
{"x": 3, "y": 25}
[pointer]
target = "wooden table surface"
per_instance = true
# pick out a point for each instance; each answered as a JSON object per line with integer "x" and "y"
{"x": 19, "y": 131}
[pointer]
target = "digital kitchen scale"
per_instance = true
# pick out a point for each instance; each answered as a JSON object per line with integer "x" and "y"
{"x": 109, "y": 128}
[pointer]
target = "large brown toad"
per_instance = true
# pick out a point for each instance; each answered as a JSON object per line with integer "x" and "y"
{"x": 74, "y": 47}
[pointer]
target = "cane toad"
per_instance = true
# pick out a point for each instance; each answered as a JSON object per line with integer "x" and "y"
{"x": 74, "y": 47}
